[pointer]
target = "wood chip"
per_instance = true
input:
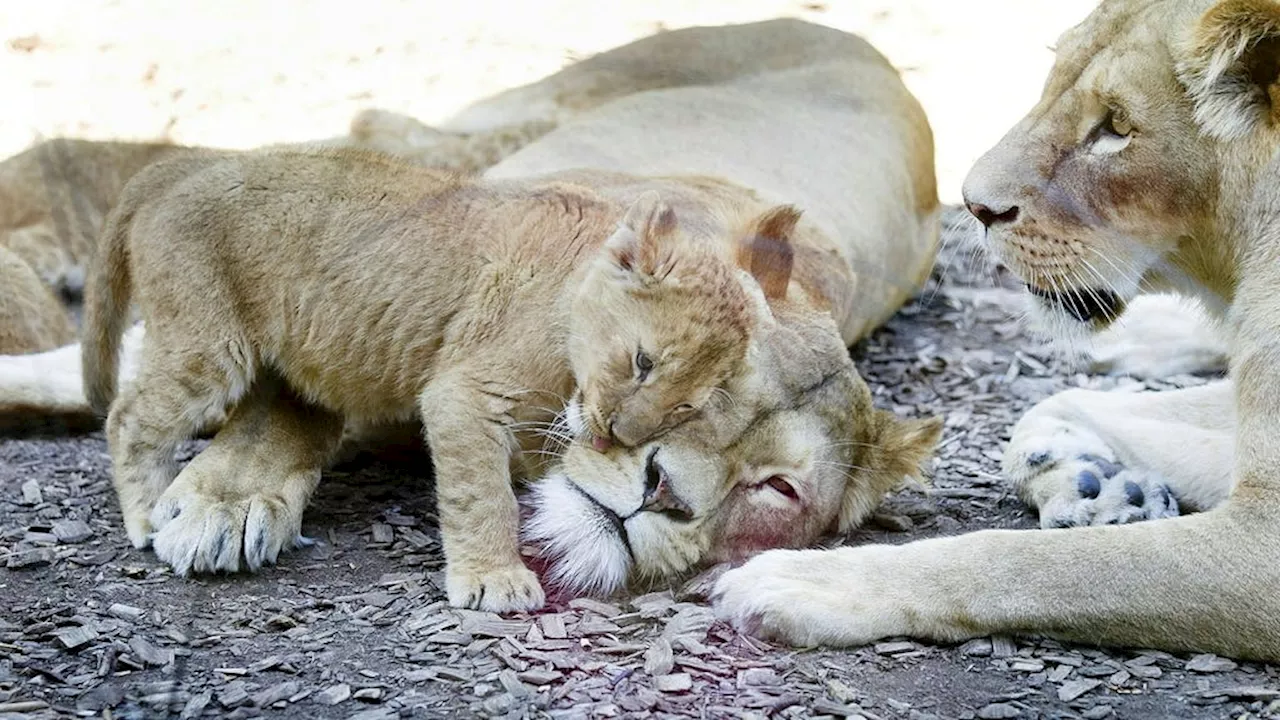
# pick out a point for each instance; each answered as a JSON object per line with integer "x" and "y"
{"x": 274, "y": 694}
{"x": 450, "y": 638}
{"x": 893, "y": 648}
{"x": 596, "y": 607}
{"x": 1073, "y": 689}
{"x": 491, "y": 625}
{"x": 759, "y": 677}
{"x": 383, "y": 534}
{"x": 552, "y": 626}
{"x": 511, "y": 683}
{"x": 233, "y": 696}
{"x": 124, "y": 612}
{"x": 1146, "y": 672}
{"x": 334, "y": 694}
{"x": 72, "y": 531}
{"x": 540, "y": 677}
{"x": 76, "y": 637}
{"x": 31, "y": 494}
{"x": 674, "y": 683}
{"x": 1209, "y": 663}
{"x": 31, "y": 558}
{"x": 1059, "y": 673}
{"x": 659, "y": 659}
{"x": 1003, "y": 646}
{"x": 149, "y": 653}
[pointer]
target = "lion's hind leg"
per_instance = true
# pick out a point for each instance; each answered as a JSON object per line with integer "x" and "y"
{"x": 239, "y": 503}
{"x": 178, "y": 391}
{"x": 1086, "y": 457}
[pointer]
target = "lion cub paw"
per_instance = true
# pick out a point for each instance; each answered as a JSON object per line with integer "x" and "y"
{"x": 199, "y": 531}
{"x": 509, "y": 589}
{"x": 1085, "y": 486}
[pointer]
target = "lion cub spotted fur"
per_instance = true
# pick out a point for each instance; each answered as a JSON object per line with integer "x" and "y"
{"x": 379, "y": 290}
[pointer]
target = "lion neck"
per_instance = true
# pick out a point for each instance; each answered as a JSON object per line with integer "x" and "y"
{"x": 1207, "y": 263}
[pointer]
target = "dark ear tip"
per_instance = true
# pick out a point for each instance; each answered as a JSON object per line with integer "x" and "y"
{"x": 779, "y": 222}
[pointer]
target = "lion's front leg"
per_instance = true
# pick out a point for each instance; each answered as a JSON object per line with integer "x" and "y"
{"x": 1087, "y": 457}
{"x": 1203, "y": 582}
{"x": 471, "y": 449}
{"x": 239, "y": 503}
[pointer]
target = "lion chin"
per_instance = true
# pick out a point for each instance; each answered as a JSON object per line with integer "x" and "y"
{"x": 582, "y": 546}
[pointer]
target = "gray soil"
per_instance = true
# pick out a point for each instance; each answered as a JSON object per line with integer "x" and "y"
{"x": 357, "y": 627}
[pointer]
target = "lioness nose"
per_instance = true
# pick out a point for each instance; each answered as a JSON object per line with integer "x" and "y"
{"x": 989, "y": 216}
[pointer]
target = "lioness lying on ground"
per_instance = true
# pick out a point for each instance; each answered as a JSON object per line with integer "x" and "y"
{"x": 1145, "y": 165}
{"x": 799, "y": 450}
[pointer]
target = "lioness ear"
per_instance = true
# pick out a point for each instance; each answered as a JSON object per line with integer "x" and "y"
{"x": 767, "y": 253}
{"x": 634, "y": 244}
{"x": 896, "y": 449}
{"x": 1231, "y": 65}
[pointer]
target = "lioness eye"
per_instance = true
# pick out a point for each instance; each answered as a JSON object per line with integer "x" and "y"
{"x": 644, "y": 364}
{"x": 1116, "y": 124}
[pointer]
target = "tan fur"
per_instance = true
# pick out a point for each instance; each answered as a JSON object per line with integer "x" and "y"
{"x": 381, "y": 291}
{"x": 31, "y": 317}
{"x": 1147, "y": 164}
{"x": 785, "y": 113}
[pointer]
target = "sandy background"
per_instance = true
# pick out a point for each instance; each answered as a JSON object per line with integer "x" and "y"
{"x": 239, "y": 73}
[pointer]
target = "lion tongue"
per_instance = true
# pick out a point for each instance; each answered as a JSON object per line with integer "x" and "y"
{"x": 600, "y": 444}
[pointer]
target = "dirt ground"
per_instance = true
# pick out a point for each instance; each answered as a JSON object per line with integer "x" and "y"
{"x": 356, "y": 627}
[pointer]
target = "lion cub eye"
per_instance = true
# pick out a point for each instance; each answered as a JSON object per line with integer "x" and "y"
{"x": 644, "y": 365}
{"x": 683, "y": 409}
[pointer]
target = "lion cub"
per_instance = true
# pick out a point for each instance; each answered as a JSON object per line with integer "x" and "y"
{"x": 379, "y": 290}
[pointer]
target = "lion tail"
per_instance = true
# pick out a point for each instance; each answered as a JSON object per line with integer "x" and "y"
{"x": 108, "y": 290}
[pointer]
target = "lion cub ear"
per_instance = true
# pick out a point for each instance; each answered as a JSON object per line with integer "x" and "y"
{"x": 634, "y": 245}
{"x": 1231, "y": 65}
{"x": 767, "y": 253}
{"x": 896, "y": 449}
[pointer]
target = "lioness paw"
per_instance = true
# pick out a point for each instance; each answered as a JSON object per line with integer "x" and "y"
{"x": 509, "y": 589}
{"x": 1080, "y": 483}
{"x": 1103, "y": 492}
{"x": 197, "y": 532}
{"x": 807, "y": 598}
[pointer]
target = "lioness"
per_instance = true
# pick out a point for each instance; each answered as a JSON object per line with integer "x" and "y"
{"x": 799, "y": 450}
{"x": 1144, "y": 166}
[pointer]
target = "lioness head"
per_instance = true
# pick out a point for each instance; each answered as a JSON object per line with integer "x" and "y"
{"x": 792, "y": 450}
{"x": 662, "y": 319}
{"x": 1124, "y": 177}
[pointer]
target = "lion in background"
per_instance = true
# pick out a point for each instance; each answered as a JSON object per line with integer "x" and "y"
{"x": 1149, "y": 164}
{"x": 783, "y": 111}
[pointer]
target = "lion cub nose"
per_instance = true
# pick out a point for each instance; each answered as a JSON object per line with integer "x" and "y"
{"x": 601, "y": 443}
{"x": 989, "y": 216}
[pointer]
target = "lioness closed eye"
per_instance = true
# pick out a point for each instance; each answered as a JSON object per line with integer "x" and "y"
{"x": 379, "y": 290}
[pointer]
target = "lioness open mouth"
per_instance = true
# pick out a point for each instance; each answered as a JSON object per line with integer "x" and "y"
{"x": 1084, "y": 305}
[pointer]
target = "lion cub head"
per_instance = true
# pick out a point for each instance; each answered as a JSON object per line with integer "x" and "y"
{"x": 793, "y": 449}
{"x": 1130, "y": 173}
{"x": 664, "y": 317}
